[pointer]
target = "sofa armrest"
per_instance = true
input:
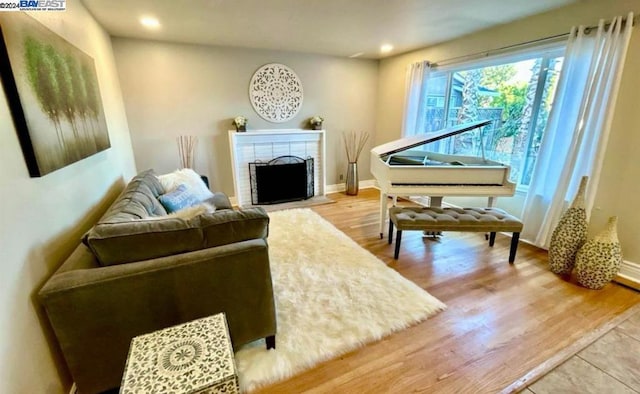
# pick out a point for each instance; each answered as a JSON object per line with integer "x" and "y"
{"x": 95, "y": 312}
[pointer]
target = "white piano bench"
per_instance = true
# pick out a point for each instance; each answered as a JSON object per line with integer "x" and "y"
{"x": 435, "y": 219}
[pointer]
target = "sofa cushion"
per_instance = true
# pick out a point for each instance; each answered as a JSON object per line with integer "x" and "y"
{"x": 143, "y": 239}
{"x": 228, "y": 226}
{"x": 138, "y": 200}
{"x": 178, "y": 199}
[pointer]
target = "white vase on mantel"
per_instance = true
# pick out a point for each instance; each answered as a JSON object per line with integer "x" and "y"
{"x": 599, "y": 259}
{"x": 570, "y": 234}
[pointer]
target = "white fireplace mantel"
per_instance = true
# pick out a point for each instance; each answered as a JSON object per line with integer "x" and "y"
{"x": 265, "y": 145}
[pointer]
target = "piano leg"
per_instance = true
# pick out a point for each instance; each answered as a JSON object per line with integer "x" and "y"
{"x": 383, "y": 212}
{"x": 490, "y": 202}
{"x": 435, "y": 201}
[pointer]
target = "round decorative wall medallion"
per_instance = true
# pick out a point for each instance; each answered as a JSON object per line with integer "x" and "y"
{"x": 276, "y": 93}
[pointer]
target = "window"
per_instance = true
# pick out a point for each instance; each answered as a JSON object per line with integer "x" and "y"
{"x": 515, "y": 92}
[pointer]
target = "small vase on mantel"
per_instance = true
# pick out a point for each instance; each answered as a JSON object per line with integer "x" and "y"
{"x": 570, "y": 234}
{"x": 352, "y": 186}
{"x": 599, "y": 259}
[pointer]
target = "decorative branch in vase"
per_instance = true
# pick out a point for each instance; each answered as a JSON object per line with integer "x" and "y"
{"x": 186, "y": 150}
{"x": 354, "y": 142}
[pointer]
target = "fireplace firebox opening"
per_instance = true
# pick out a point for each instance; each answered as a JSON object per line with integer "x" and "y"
{"x": 283, "y": 179}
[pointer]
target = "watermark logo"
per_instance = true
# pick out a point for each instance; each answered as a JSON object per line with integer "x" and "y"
{"x": 33, "y": 5}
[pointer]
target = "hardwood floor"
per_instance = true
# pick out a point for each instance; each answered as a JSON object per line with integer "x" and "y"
{"x": 502, "y": 320}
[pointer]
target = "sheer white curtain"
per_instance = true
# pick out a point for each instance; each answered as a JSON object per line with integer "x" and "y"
{"x": 414, "y": 105}
{"x": 577, "y": 132}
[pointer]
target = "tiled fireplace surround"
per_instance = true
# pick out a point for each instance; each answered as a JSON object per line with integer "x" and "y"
{"x": 265, "y": 145}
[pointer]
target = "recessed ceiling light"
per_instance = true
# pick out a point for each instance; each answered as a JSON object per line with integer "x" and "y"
{"x": 150, "y": 22}
{"x": 357, "y": 54}
{"x": 386, "y": 48}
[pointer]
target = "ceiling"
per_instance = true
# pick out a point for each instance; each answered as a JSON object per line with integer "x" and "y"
{"x": 331, "y": 27}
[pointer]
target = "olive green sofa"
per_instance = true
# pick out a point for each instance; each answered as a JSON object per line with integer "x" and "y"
{"x": 139, "y": 270}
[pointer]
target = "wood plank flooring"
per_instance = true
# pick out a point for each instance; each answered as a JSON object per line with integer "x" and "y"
{"x": 502, "y": 320}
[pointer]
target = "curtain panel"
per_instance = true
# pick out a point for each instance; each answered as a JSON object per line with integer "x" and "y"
{"x": 414, "y": 101}
{"x": 578, "y": 129}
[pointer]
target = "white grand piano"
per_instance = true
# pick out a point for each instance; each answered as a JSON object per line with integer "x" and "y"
{"x": 402, "y": 170}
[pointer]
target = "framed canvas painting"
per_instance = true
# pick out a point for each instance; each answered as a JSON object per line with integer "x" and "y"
{"x": 53, "y": 93}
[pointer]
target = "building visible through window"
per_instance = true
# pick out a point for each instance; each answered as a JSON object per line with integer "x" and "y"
{"x": 516, "y": 93}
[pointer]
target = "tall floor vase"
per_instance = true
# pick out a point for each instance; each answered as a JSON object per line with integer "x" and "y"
{"x": 570, "y": 234}
{"x": 352, "y": 186}
{"x": 599, "y": 259}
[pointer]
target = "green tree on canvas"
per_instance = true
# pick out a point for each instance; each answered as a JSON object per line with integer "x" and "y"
{"x": 65, "y": 89}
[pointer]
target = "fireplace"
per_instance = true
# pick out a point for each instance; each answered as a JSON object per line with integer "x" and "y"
{"x": 283, "y": 179}
{"x": 263, "y": 145}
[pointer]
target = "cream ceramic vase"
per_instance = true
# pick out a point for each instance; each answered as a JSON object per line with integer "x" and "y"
{"x": 599, "y": 259}
{"x": 570, "y": 234}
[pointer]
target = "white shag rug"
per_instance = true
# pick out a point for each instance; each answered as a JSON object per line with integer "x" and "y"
{"x": 331, "y": 297}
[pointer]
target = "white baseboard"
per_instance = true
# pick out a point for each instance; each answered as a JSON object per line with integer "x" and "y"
{"x": 629, "y": 274}
{"x": 340, "y": 187}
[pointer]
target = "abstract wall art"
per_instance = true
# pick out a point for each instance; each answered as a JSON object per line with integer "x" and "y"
{"x": 52, "y": 90}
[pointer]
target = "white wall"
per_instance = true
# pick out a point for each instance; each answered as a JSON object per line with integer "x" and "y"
{"x": 618, "y": 189}
{"x": 177, "y": 89}
{"x": 42, "y": 219}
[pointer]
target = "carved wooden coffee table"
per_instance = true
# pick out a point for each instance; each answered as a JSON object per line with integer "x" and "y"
{"x": 194, "y": 357}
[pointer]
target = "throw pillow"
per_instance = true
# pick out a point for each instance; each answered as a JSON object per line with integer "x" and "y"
{"x": 178, "y": 199}
{"x": 187, "y": 177}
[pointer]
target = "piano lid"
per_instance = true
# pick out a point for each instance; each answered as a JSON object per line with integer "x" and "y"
{"x": 421, "y": 139}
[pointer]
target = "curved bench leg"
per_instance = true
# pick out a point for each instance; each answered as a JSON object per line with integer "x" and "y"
{"x": 398, "y": 240}
{"x": 514, "y": 247}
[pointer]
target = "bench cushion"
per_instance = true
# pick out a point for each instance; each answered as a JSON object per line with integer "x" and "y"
{"x": 454, "y": 219}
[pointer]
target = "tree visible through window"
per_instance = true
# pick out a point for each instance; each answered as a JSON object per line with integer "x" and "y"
{"x": 516, "y": 95}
